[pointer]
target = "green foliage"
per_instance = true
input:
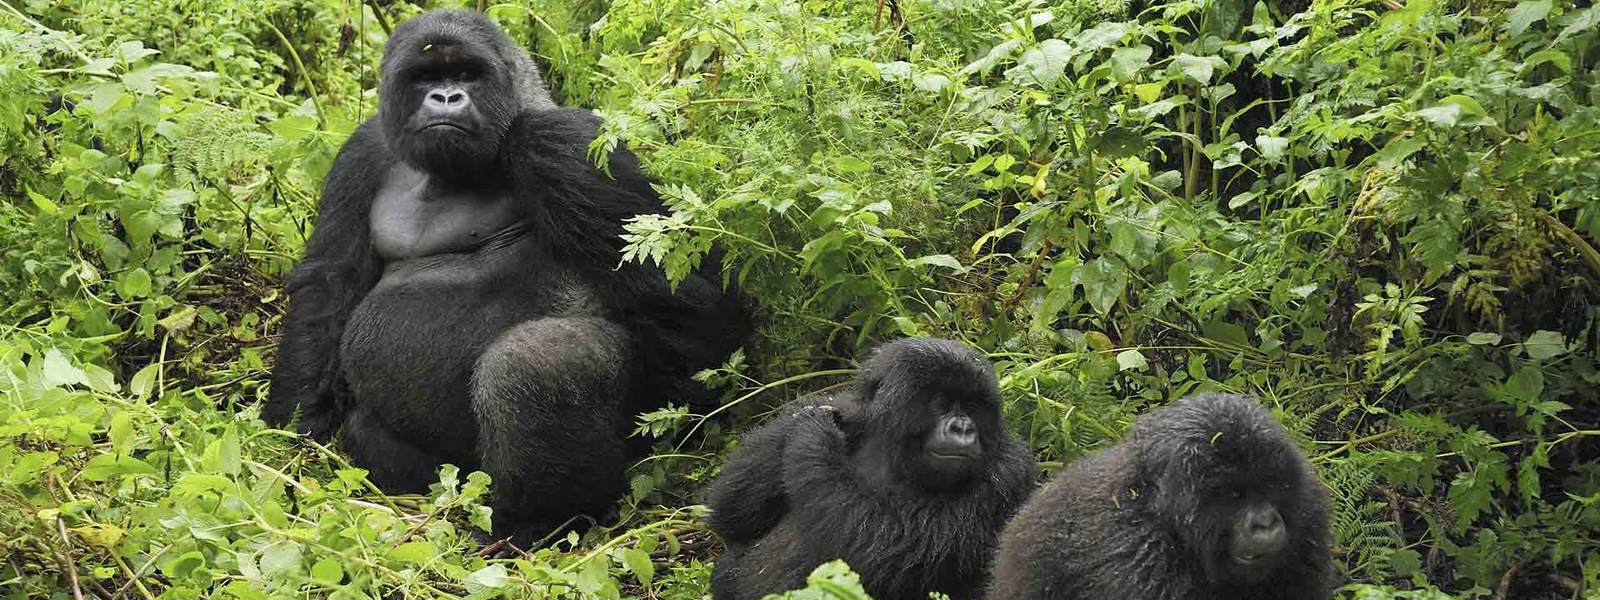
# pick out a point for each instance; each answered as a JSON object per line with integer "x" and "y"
{"x": 1379, "y": 216}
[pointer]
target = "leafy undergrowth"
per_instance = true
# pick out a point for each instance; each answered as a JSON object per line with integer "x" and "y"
{"x": 1379, "y": 216}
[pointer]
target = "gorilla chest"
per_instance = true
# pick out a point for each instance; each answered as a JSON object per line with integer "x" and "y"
{"x": 415, "y": 215}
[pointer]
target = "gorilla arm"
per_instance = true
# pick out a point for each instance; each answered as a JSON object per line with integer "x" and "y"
{"x": 579, "y": 210}
{"x": 747, "y": 498}
{"x": 817, "y": 470}
{"x": 339, "y": 268}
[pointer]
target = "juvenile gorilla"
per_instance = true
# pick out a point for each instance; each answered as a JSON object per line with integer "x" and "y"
{"x": 908, "y": 478}
{"x": 1207, "y": 499}
{"x": 461, "y": 300}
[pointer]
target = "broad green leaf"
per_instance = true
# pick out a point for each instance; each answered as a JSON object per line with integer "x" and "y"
{"x": 1525, "y": 14}
{"x": 1103, "y": 281}
{"x": 1103, "y": 35}
{"x": 1149, "y": 92}
{"x": 329, "y": 570}
{"x": 638, "y": 563}
{"x": 101, "y": 535}
{"x": 58, "y": 370}
{"x": 121, "y": 432}
{"x": 938, "y": 260}
{"x": 184, "y": 565}
{"x": 134, "y": 284}
{"x": 1131, "y": 360}
{"x": 1543, "y": 345}
{"x": 1197, "y": 68}
{"x": 1098, "y": 341}
{"x": 29, "y": 467}
{"x": 143, "y": 381}
{"x": 228, "y": 454}
{"x": 281, "y": 561}
{"x": 1444, "y": 114}
{"x": 851, "y": 164}
{"x": 1397, "y": 150}
{"x": 1126, "y": 62}
{"x": 488, "y": 581}
{"x": 45, "y": 205}
{"x": 1272, "y": 148}
{"x": 417, "y": 552}
{"x": 1045, "y": 64}
{"x": 1482, "y": 338}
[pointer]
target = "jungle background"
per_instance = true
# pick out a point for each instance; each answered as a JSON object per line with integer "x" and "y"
{"x": 1378, "y": 216}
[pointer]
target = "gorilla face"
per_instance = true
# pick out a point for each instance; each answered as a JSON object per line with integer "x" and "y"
{"x": 951, "y": 440}
{"x": 940, "y": 408}
{"x": 1244, "y": 536}
{"x": 448, "y": 95}
{"x": 1232, "y": 485}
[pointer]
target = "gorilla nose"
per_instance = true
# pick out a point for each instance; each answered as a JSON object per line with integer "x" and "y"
{"x": 447, "y": 99}
{"x": 1264, "y": 532}
{"x": 961, "y": 429}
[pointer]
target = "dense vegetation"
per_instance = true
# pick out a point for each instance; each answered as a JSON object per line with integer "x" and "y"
{"x": 1380, "y": 216}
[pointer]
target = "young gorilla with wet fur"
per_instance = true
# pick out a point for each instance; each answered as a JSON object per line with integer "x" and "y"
{"x": 1207, "y": 499}
{"x": 461, "y": 300}
{"x": 908, "y": 477}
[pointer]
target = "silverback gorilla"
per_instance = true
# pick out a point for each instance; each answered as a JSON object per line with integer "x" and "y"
{"x": 908, "y": 477}
{"x": 461, "y": 300}
{"x": 1207, "y": 499}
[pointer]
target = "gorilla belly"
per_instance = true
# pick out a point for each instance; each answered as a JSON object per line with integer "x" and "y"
{"x": 409, "y": 349}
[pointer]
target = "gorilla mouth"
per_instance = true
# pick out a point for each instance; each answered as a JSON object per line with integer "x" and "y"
{"x": 444, "y": 125}
{"x": 951, "y": 455}
{"x": 1248, "y": 559}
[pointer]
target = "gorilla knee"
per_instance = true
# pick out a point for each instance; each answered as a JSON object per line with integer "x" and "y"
{"x": 559, "y": 359}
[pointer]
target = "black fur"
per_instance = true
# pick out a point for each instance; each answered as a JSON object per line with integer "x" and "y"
{"x": 524, "y": 350}
{"x": 847, "y": 477}
{"x": 1150, "y": 518}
